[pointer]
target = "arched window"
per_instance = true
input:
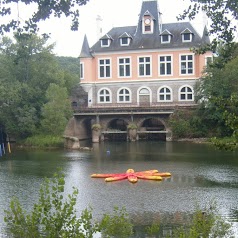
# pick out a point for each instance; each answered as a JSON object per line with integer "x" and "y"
{"x": 124, "y": 95}
{"x": 186, "y": 93}
{"x": 164, "y": 94}
{"x": 104, "y": 96}
{"x": 144, "y": 96}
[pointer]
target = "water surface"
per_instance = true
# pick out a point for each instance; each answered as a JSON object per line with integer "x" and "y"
{"x": 200, "y": 174}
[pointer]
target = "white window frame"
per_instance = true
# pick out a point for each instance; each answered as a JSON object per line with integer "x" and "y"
{"x": 124, "y": 64}
{"x": 128, "y": 41}
{"x": 165, "y": 62}
{"x": 106, "y": 45}
{"x": 186, "y": 61}
{"x": 190, "y": 39}
{"x": 165, "y": 42}
{"x": 144, "y": 63}
{"x": 138, "y": 94}
{"x": 165, "y": 94}
{"x": 124, "y": 95}
{"x": 105, "y": 66}
{"x": 144, "y": 25}
{"x": 104, "y": 95}
{"x": 81, "y": 70}
{"x": 206, "y": 59}
{"x": 186, "y": 93}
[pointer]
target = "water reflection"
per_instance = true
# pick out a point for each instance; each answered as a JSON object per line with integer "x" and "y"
{"x": 199, "y": 174}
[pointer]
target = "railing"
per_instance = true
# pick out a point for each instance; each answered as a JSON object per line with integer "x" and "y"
{"x": 115, "y": 107}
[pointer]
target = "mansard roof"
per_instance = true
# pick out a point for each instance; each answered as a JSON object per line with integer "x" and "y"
{"x": 165, "y": 32}
{"x": 151, "y": 41}
{"x": 106, "y": 36}
{"x": 141, "y": 40}
{"x": 125, "y": 34}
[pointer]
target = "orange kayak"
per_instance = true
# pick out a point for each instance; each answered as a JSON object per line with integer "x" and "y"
{"x": 132, "y": 178}
{"x": 150, "y": 177}
{"x": 115, "y": 178}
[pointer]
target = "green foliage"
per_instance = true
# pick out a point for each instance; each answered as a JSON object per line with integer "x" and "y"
{"x": 28, "y": 69}
{"x": 179, "y": 124}
{"x": 42, "y": 12}
{"x": 56, "y": 111}
{"x": 153, "y": 229}
{"x": 117, "y": 225}
{"x": 218, "y": 91}
{"x": 96, "y": 127}
{"x": 221, "y": 14}
{"x": 205, "y": 223}
{"x": 52, "y": 216}
{"x": 132, "y": 126}
{"x": 43, "y": 141}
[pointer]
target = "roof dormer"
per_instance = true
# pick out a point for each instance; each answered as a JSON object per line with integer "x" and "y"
{"x": 165, "y": 37}
{"x": 125, "y": 39}
{"x": 147, "y": 23}
{"x": 187, "y": 35}
{"x": 106, "y": 40}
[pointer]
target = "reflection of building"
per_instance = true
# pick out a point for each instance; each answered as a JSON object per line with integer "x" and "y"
{"x": 140, "y": 73}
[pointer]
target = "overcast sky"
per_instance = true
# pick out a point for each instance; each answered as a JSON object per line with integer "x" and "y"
{"x": 113, "y": 12}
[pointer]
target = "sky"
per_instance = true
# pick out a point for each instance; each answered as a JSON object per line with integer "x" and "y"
{"x": 113, "y": 13}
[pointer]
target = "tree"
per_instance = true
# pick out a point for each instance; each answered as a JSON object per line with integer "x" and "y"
{"x": 223, "y": 15}
{"x": 27, "y": 67}
{"x": 217, "y": 91}
{"x": 42, "y": 11}
{"x": 56, "y": 112}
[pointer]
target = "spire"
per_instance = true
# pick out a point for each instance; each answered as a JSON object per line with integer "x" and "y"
{"x": 85, "y": 51}
{"x": 205, "y": 36}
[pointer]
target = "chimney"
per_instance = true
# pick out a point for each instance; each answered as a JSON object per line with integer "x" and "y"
{"x": 99, "y": 26}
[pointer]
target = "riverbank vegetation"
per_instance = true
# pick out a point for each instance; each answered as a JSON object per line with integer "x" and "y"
{"x": 55, "y": 215}
{"x": 35, "y": 90}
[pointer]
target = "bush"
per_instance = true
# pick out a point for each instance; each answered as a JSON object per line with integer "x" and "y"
{"x": 53, "y": 216}
{"x": 43, "y": 141}
{"x": 117, "y": 225}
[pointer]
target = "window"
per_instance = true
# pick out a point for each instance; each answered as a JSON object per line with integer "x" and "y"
{"x": 145, "y": 66}
{"x": 186, "y": 64}
{"x": 124, "y": 95}
{"x": 147, "y": 23}
{"x": 164, "y": 94}
{"x": 186, "y": 94}
{"x": 165, "y": 38}
{"x": 165, "y": 64}
{"x": 208, "y": 60}
{"x": 187, "y": 37}
{"x": 104, "y": 42}
{"x": 104, "y": 96}
{"x": 125, "y": 41}
{"x": 147, "y": 28}
{"x": 104, "y": 68}
{"x": 124, "y": 67}
{"x": 81, "y": 71}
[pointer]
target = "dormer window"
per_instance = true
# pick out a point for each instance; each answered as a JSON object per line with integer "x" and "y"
{"x": 187, "y": 36}
{"x": 106, "y": 40}
{"x": 125, "y": 39}
{"x": 165, "y": 37}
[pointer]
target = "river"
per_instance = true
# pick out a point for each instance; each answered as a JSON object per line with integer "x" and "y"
{"x": 200, "y": 174}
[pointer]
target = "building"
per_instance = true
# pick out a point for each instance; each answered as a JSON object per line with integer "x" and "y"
{"x": 138, "y": 74}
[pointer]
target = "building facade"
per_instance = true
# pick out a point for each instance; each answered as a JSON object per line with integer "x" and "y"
{"x": 140, "y": 74}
